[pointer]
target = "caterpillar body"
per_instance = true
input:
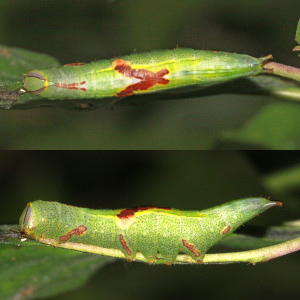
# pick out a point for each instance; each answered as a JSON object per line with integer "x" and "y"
{"x": 157, "y": 234}
{"x": 141, "y": 73}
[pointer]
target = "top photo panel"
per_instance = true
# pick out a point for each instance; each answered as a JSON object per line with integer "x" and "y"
{"x": 163, "y": 75}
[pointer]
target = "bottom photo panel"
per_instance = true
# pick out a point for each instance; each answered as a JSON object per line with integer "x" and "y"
{"x": 149, "y": 225}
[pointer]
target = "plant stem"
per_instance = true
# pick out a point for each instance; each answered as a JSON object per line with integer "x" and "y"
{"x": 251, "y": 256}
{"x": 282, "y": 70}
{"x": 257, "y": 255}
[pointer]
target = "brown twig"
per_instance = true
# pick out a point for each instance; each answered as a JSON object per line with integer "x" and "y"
{"x": 282, "y": 70}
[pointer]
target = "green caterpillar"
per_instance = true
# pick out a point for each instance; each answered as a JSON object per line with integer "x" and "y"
{"x": 158, "y": 235}
{"x": 141, "y": 73}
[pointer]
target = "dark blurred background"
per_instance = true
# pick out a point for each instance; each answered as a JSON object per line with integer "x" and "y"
{"x": 185, "y": 180}
{"x": 89, "y": 30}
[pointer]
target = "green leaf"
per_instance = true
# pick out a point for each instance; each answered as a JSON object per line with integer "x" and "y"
{"x": 284, "y": 181}
{"x": 258, "y": 237}
{"x": 29, "y": 270}
{"x": 277, "y": 86}
{"x": 276, "y": 126}
{"x": 297, "y": 37}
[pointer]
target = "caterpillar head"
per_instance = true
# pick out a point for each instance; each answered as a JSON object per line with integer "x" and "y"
{"x": 26, "y": 219}
{"x": 35, "y": 82}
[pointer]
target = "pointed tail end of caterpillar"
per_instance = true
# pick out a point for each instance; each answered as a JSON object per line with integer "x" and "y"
{"x": 274, "y": 203}
{"x": 266, "y": 60}
{"x": 278, "y": 203}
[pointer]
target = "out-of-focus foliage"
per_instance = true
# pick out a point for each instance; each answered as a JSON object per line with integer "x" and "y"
{"x": 29, "y": 271}
{"x": 297, "y": 37}
{"x": 274, "y": 125}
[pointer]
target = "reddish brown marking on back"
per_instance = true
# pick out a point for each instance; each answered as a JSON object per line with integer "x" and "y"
{"x": 80, "y": 230}
{"x": 226, "y": 230}
{"x": 129, "y": 212}
{"x": 191, "y": 247}
{"x": 147, "y": 78}
{"x": 72, "y": 86}
{"x": 124, "y": 245}
{"x": 74, "y": 64}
